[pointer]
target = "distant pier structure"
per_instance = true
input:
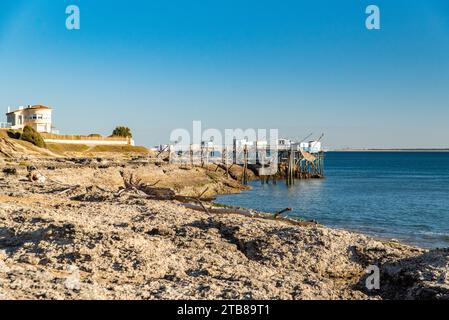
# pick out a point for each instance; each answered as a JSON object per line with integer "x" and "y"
{"x": 287, "y": 159}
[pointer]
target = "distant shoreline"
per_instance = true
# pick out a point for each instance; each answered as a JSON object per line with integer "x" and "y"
{"x": 389, "y": 150}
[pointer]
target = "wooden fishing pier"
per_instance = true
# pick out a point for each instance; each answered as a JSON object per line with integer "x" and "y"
{"x": 292, "y": 161}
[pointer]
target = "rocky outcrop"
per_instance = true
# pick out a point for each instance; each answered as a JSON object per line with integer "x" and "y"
{"x": 422, "y": 277}
{"x": 85, "y": 243}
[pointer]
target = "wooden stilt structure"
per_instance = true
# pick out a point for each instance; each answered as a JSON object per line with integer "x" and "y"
{"x": 290, "y": 162}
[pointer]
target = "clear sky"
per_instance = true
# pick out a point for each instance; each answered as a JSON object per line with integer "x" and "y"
{"x": 299, "y": 66}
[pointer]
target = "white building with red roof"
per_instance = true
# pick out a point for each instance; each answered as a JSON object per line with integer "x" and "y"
{"x": 37, "y": 117}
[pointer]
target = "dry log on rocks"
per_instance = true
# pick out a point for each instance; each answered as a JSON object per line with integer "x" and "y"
{"x": 161, "y": 194}
{"x": 146, "y": 191}
{"x": 71, "y": 188}
{"x": 140, "y": 189}
{"x": 250, "y": 214}
{"x": 277, "y": 214}
{"x": 158, "y": 193}
{"x": 187, "y": 199}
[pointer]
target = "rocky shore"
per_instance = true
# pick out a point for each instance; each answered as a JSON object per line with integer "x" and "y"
{"x": 86, "y": 242}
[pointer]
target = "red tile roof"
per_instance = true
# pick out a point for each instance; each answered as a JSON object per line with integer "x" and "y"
{"x": 32, "y": 107}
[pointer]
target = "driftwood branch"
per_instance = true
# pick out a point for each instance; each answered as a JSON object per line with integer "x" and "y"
{"x": 249, "y": 214}
{"x": 162, "y": 151}
{"x": 202, "y": 193}
{"x": 154, "y": 184}
{"x": 278, "y": 214}
{"x": 144, "y": 191}
{"x": 68, "y": 189}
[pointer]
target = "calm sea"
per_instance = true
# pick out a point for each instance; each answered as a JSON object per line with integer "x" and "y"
{"x": 400, "y": 195}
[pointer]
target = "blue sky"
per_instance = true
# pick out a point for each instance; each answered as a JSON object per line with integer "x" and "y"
{"x": 299, "y": 66}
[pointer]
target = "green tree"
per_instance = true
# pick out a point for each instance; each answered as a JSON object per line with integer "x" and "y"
{"x": 122, "y": 132}
{"x": 31, "y": 135}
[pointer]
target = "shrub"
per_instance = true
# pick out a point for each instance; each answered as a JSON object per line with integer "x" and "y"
{"x": 95, "y": 135}
{"x": 122, "y": 132}
{"x": 13, "y": 134}
{"x": 31, "y": 135}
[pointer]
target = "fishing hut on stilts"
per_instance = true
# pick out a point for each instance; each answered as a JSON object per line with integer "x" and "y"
{"x": 287, "y": 160}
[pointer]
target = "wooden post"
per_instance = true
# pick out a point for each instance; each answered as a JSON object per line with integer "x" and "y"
{"x": 245, "y": 164}
{"x": 234, "y": 152}
{"x": 207, "y": 157}
{"x": 169, "y": 153}
{"x": 224, "y": 156}
{"x": 202, "y": 155}
{"x": 290, "y": 167}
{"x": 322, "y": 164}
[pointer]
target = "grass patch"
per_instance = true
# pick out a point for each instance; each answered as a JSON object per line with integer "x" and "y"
{"x": 93, "y": 136}
{"x": 119, "y": 148}
{"x": 3, "y": 133}
{"x": 70, "y": 147}
{"x": 214, "y": 176}
{"x": 66, "y": 147}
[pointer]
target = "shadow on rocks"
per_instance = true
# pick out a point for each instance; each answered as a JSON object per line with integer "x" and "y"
{"x": 422, "y": 277}
{"x": 13, "y": 241}
{"x": 252, "y": 249}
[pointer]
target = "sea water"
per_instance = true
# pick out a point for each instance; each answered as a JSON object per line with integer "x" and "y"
{"x": 399, "y": 195}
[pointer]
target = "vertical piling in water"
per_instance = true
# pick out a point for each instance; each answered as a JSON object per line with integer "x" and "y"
{"x": 191, "y": 155}
{"x": 322, "y": 164}
{"x": 245, "y": 165}
{"x": 224, "y": 156}
{"x": 202, "y": 156}
{"x": 207, "y": 157}
{"x": 234, "y": 152}
{"x": 290, "y": 167}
